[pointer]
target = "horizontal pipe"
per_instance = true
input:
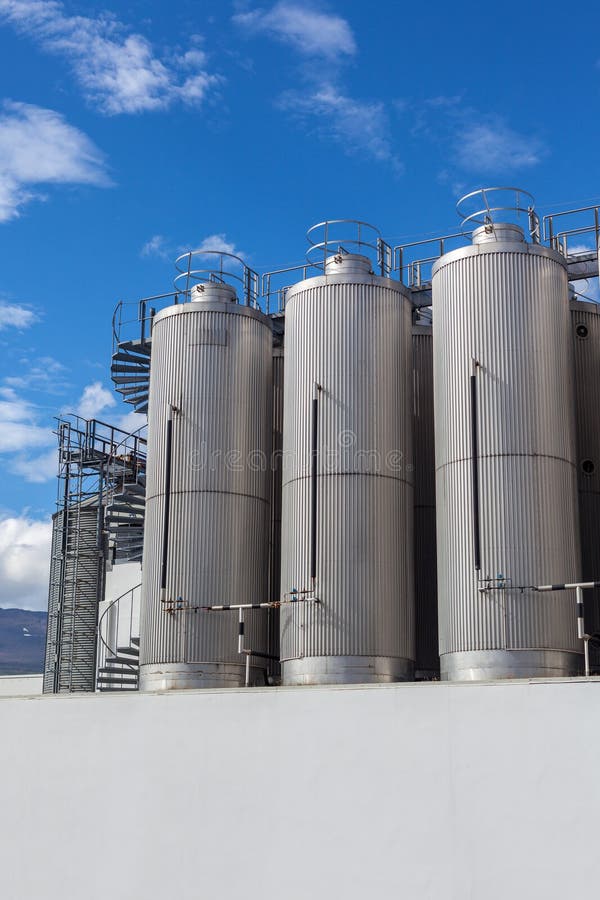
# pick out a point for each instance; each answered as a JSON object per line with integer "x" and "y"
{"x": 256, "y": 653}
{"x": 564, "y": 587}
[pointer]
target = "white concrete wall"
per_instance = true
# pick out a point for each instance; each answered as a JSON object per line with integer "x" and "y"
{"x": 400, "y": 792}
{"x": 20, "y": 685}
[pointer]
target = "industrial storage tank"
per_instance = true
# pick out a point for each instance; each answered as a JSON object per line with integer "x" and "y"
{"x": 506, "y": 481}
{"x": 208, "y": 486}
{"x": 585, "y": 321}
{"x": 427, "y": 664}
{"x": 347, "y": 497}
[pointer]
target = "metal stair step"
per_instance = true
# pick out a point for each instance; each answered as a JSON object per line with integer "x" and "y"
{"x": 116, "y": 679}
{"x": 128, "y": 651}
{"x": 114, "y": 690}
{"x": 120, "y": 660}
{"x": 135, "y": 641}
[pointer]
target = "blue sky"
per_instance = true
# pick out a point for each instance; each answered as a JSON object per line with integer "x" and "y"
{"x": 131, "y": 131}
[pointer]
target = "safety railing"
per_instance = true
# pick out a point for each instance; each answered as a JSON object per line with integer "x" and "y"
{"x": 118, "y": 627}
{"x": 585, "y": 222}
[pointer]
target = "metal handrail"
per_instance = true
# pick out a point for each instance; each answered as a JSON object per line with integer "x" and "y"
{"x": 267, "y": 292}
{"x": 559, "y": 240}
{"x": 486, "y": 215}
{"x": 141, "y": 316}
{"x": 190, "y": 275}
{"x": 413, "y": 269}
{"x": 330, "y": 244}
{"x": 105, "y": 648}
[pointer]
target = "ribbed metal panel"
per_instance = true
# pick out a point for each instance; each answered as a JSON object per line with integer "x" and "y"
{"x": 505, "y": 306}
{"x": 353, "y": 337}
{"x": 54, "y": 591}
{"x": 76, "y": 589}
{"x": 426, "y": 614}
{"x": 585, "y": 319}
{"x": 212, "y": 361}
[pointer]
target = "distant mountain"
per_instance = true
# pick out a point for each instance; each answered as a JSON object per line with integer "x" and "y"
{"x": 22, "y": 641}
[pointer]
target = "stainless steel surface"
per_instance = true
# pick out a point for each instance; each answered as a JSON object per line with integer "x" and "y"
{"x": 212, "y": 361}
{"x": 505, "y": 305}
{"x": 489, "y": 665}
{"x": 347, "y": 670}
{"x": 350, "y": 332}
{"x": 179, "y": 677}
{"x": 427, "y": 655}
{"x": 585, "y": 323}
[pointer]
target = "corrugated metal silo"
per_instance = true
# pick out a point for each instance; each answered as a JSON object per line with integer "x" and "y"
{"x": 348, "y": 354}
{"x": 427, "y": 653}
{"x": 504, "y": 424}
{"x": 210, "y": 388}
{"x": 585, "y": 320}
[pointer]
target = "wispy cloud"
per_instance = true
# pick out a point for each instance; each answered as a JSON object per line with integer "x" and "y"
{"x": 20, "y": 428}
{"x": 219, "y": 243}
{"x": 473, "y": 142}
{"x": 362, "y": 127}
{"x": 358, "y": 126}
{"x": 38, "y": 147}
{"x": 24, "y": 561}
{"x": 94, "y": 400}
{"x": 493, "y": 147}
{"x": 15, "y": 316}
{"x": 155, "y": 246}
{"x": 309, "y": 31}
{"x": 162, "y": 247}
{"x": 41, "y": 373}
{"x": 118, "y": 71}
{"x": 36, "y": 469}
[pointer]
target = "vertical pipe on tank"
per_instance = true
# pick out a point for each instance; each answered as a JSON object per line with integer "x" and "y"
{"x": 504, "y": 303}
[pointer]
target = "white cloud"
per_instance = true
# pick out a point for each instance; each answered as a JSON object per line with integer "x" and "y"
{"x": 360, "y": 127}
{"x": 308, "y": 31}
{"x": 155, "y": 247}
{"x": 132, "y": 421}
{"x": 492, "y": 147}
{"x": 37, "y": 146}
{"x": 15, "y": 316}
{"x": 118, "y": 71}
{"x": 24, "y": 562}
{"x": 94, "y": 400}
{"x": 220, "y": 243}
{"x": 19, "y": 426}
{"x": 36, "y": 469}
{"x": 42, "y": 373}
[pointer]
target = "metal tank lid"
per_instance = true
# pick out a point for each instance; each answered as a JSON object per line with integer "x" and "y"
{"x": 348, "y": 264}
{"x": 213, "y": 292}
{"x": 504, "y": 232}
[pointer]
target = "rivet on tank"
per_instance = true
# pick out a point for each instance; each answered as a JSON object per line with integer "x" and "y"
{"x": 347, "y": 494}
{"x": 208, "y": 482}
{"x": 506, "y": 476}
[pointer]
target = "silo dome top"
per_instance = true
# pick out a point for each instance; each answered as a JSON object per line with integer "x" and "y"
{"x": 348, "y": 264}
{"x": 204, "y": 275}
{"x": 211, "y": 291}
{"x": 499, "y": 214}
{"x": 500, "y": 231}
{"x": 348, "y": 247}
